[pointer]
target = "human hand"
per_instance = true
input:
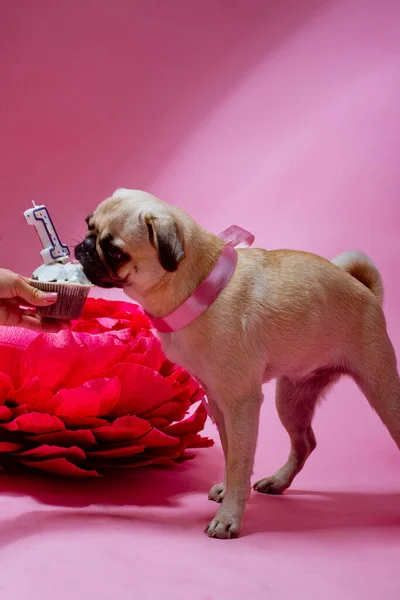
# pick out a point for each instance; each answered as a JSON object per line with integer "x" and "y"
{"x": 17, "y": 301}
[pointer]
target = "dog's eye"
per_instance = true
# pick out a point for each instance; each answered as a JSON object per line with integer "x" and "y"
{"x": 115, "y": 254}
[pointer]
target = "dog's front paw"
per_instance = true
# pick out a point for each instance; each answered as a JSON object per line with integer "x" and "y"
{"x": 217, "y": 492}
{"x": 224, "y": 526}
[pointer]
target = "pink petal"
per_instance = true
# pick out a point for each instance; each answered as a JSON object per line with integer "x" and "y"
{"x": 35, "y": 423}
{"x": 80, "y": 437}
{"x": 142, "y": 389}
{"x": 49, "y": 358}
{"x": 9, "y": 447}
{"x": 95, "y": 363}
{"x": 73, "y": 453}
{"x": 94, "y": 398}
{"x": 125, "y": 428}
{"x": 60, "y": 466}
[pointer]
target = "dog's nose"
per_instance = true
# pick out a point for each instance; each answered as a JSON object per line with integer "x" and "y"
{"x": 88, "y": 246}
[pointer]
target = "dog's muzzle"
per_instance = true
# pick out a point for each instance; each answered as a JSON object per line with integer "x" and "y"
{"x": 93, "y": 267}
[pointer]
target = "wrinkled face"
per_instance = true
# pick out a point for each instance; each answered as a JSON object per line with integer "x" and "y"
{"x": 132, "y": 239}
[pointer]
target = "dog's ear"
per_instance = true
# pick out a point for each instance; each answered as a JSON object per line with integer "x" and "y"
{"x": 166, "y": 237}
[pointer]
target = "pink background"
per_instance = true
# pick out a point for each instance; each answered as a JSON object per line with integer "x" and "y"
{"x": 279, "y": 116}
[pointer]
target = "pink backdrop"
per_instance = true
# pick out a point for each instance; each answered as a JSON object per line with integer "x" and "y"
{"x": 280, "y": 116}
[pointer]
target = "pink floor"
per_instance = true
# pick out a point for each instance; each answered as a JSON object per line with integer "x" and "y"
{"x": 335, "y": 535}
{"x": 282, "y": 117}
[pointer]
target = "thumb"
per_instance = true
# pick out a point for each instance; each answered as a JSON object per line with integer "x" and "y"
{"x": 34, "y": 296}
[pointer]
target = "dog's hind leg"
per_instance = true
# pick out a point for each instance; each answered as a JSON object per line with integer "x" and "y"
{"x": 375, "y": 372}
{"x": 296, "y": 403}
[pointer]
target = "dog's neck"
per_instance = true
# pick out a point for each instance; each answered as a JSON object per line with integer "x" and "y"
{"x": 203, "y": 250}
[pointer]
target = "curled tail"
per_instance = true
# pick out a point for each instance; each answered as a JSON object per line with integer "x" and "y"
{"x": 361, "y": 267}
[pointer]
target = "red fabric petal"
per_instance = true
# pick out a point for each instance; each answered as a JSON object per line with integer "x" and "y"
{"x": 137, "y": 321}
{"x": 162, "y": 461}
{"x": 90, "y": 341}
{"x": 5, "y": 413}
{"x": 146, "y": 350}
{"x": 81, "y": 437}
{"x": 171, "y": 411}
{"x": 70, "y": 373}
{"x": 112, "y": 324}
{"x": 13, "y": 342}
{"x": 72, "y": 453}
{"x": 49, "y": 357}
{"x": 94, "y": 398}
{"x": 98, "y": 307}
{"x": 159, "y": 423}
{"x": 10, "y": 447}
{"x": 6, "y": 388}
{"x": 183, "y": 383}
{"x": 35, "y": 423}
{"x": 17, "y": 411}
{"x": 91, "y": 326}
{"x": 36, "y": 396}
{"x": 142, "y": 389}
{"x": 156, "y": 439}
{"x": 191, "y": 425}
{"x": 84, "y": 422}
{"x": 194, "y": 440}
{"x": 123, "y": 452}
{"x": 59, "y": 466}
{"x": 95, "y": 307}
{"x": 95, "y": 363}
{"x": 125, "y": 428}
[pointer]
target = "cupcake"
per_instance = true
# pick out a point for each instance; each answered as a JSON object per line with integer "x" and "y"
{"x": 71, "y": 285}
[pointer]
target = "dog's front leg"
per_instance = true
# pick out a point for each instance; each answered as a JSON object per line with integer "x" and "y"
{"x": 241, "y": 415}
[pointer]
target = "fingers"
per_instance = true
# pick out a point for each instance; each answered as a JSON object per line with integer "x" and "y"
{"x": 32, "y": 321}
{"x": 32, "y": 295}
{"x": 37, "y": 324}
{"x": 12, "y": 315}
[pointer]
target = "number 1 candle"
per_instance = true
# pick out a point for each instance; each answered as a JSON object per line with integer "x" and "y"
{"x": 54, "y": 250}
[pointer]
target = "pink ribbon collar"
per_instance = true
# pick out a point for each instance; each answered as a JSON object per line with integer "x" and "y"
{"x": 211, "y": 287}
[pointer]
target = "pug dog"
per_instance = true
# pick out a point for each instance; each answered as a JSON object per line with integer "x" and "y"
{"x": 284, "y": 314}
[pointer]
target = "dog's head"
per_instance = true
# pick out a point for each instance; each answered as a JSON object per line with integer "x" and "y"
{"x": 132, "y": 239}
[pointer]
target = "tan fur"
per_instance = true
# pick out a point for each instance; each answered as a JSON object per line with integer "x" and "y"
{"x": 288, "y": 315}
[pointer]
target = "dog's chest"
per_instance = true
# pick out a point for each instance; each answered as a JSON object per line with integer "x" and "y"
{"x": 177, "y": 352}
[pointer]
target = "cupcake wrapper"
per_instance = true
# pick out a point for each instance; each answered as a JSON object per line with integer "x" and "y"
{"x": 71, "y": 299}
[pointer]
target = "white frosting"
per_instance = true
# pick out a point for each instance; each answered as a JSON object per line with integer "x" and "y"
{"x": 58, "y": 272}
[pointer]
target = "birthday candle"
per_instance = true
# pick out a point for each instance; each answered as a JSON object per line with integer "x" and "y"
{"x": 39, "y": 217}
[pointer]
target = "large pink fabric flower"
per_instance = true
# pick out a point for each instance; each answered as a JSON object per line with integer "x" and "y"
{"x": 97, "y": 396}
